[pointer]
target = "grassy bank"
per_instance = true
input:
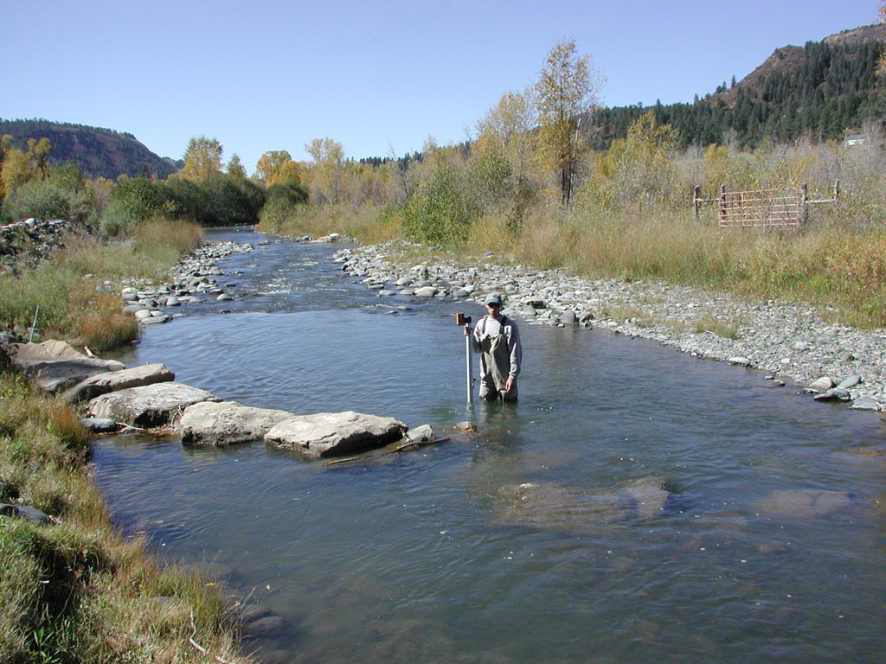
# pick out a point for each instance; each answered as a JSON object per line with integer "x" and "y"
{"x": 840, "y": 268}
{"x": 631, "y": 215}
{"x": 74, "y": 590}
{"x": 68, "y": 287}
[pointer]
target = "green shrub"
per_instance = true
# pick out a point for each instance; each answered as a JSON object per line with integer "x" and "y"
{"x": 132, "y": 200}
{"x": 439, "y": 213}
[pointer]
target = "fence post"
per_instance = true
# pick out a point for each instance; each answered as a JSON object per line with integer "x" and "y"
{"x": 804, "y": 207}
{"x": 836, "y": 190}
{"x": 696, "y": 200}
{"x": 722, "y": 204}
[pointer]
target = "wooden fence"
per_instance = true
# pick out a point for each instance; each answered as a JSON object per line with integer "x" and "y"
{"x": 774, "y": 209}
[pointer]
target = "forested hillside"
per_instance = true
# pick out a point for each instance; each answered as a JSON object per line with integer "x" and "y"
{"x": 97, "y": 151}
{"x": 819, "y": 90}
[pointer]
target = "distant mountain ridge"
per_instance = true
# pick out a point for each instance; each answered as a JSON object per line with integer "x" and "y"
{"x": 820, "y": 89}
{"x": 96, "y": 150}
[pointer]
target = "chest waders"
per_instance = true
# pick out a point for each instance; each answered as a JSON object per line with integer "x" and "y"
{"x": 496, "y": 358}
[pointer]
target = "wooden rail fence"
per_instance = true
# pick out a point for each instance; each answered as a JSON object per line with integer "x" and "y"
{"x": 774, "y": 209}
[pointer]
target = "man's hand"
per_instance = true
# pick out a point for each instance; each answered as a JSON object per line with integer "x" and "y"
{"x": 467, "y": 330}
{"x": 509, "y": 383}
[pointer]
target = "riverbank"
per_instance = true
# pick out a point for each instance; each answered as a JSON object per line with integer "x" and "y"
{"x": 787, "y": 341}
{"x": 75, "y": 287}
{"x": 73, "y": 589}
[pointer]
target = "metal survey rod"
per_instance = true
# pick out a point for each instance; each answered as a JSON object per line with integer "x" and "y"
{"x": 468, "y": 363}
{"x": 465, "y": 322}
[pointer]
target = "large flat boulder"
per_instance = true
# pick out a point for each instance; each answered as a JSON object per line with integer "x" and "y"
{"x": 226, "y": 423}
{"x": 148, "y": 406}
{"x": 335, "y": 434}
{"x": 55, "y": 365}
{"x": 113, "y": 381}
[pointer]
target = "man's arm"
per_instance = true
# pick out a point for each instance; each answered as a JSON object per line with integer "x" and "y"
{"x": 477, "y": 336}
{"x": 516, "y": 351}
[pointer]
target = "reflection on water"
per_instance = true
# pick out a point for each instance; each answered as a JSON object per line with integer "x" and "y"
{"x": 765, "y": 542}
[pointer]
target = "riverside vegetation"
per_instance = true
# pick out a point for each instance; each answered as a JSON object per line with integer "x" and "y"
{"x": 527, "y": 187}
{"x": 630, "y": 216}
{"x": 73, "y": 590}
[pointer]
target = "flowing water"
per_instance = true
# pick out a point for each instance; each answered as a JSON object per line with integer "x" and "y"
{"x": 769, "y": 545}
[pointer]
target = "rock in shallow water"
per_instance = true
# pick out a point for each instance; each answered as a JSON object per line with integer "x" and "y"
{"x": 226, "y": 423}
{"x": 803, "y": 503}
{"x": 148, "y": 406}
{"x": 55, "y": 365}
{"x": 553, "y": 507}
{"x": 334, "y": 434}
{"x": 99, "y": 424}
{"x": 113, "y": 381}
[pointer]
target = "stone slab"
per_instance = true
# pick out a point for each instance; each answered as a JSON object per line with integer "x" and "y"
{"x": 114, "y": 381}
{"x": 335, "y": 434}
{"x": 226, "y": 423}
{"x": 148, "y": 406}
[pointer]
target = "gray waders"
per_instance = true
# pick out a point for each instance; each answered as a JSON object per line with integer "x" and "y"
{"x": 496, "y": 359}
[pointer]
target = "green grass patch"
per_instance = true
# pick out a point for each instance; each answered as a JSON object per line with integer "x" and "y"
{"x": 74, "y": 590}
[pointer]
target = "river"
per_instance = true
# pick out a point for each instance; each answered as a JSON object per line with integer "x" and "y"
{"x": 419, "y": 558}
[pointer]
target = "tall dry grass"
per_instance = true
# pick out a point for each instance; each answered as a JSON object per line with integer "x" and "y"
{"x": 68, "y": 288}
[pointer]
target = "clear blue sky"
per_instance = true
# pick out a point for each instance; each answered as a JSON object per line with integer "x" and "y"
{"x": 372, "y": 75}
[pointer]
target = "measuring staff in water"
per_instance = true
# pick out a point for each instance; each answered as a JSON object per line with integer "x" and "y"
{"x": 497, "y": 340}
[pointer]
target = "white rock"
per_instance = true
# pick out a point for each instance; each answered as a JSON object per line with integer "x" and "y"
{"x": 334, "y": 434}
{"x": 227, "y": 422}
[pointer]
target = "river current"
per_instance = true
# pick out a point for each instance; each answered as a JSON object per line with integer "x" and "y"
{"x": 769, "y": 547}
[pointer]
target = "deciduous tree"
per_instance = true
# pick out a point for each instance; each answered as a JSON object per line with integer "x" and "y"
{"x": 235, "y": 167}
{"x": 566, "y": 95}
{"x": 203, "y": 159}
{"x": 326, "y": 175}
{"x": 276, "y": 167}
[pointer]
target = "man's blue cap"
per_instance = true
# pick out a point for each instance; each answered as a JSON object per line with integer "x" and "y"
{"x": 493, "y": 299}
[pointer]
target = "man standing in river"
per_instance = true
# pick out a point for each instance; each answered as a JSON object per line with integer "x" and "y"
{"x": 497, "y": 340}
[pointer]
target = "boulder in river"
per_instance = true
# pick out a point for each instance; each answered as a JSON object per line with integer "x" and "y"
{"x": 148, "y": 406}
{"x": 114, "y": 381}
{"x": 55, "y": 365}
{"x": 99, "y": 424}
{"x": 554, "y": 507}
{"x": 803, "y": 503}
{"x": 226, "y": 423}
{"x": 335, "y": 434}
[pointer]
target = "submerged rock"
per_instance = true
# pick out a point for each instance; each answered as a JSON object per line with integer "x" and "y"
{"x": 334, "y": 434}
{"x": 55, "y": 365}
{"x": 113, "y": 381}
{"x": 803, "y": 503}
{"x": 226, "y": 423}
{"x": 554, "y": 507}
{"x": 148, "y": 406}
